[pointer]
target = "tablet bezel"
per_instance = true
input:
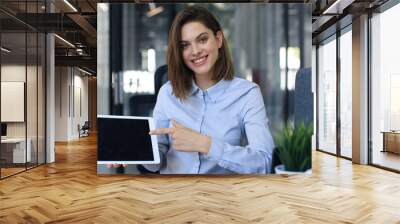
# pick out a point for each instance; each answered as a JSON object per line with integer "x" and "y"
{"x": 154, "y": 141}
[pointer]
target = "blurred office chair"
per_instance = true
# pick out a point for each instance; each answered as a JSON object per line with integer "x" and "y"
{"x": 84, "y": 129}
{"x": 143, "y": 105}
{"x": 303, "y": 98}
{"x": 160, "y": 77}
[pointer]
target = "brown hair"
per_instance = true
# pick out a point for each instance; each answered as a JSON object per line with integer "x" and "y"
{"x": 179, "y": 74}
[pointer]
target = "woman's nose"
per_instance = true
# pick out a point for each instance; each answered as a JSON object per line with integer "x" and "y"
{"x": 195, "y": 50}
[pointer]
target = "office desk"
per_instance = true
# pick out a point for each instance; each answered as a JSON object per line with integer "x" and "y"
{"x": 391, "y": 141}
{"x": 15, "y": 148}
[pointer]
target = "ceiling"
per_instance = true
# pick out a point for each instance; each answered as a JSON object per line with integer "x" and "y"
{"x": 76, "y": 20}
{"x": 76, "y": 25}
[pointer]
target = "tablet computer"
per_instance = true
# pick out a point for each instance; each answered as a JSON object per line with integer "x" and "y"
{"x": 126, "y": 140}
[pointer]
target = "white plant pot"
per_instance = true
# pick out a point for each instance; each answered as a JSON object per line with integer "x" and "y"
{"x": 280, "y": 169}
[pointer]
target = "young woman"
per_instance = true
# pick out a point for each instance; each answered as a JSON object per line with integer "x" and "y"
{"x": 204, "y": 112}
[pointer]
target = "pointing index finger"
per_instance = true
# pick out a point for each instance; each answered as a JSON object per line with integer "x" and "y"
{"x": 176, "y": 124}
{"x": 161, "y": 131}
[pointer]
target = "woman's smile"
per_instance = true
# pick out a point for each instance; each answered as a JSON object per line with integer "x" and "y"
{"x": 199, "y": 61}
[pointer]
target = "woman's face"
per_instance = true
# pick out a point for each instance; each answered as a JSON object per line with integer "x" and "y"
{"x": 200, "y": 47}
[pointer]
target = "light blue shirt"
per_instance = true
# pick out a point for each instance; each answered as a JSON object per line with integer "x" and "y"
{"x": 229, "y": 112}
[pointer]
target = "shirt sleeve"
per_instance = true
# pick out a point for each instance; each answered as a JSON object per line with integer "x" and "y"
{"x": 256, "y": 157}
{"x": 160, "y": 121}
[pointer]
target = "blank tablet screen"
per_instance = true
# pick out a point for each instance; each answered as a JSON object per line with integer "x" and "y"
{"x": 124, "y": 140}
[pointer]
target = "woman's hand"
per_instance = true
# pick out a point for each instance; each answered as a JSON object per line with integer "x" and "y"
{"x": 116, "y": 165}
{"x": 185, "y": 139}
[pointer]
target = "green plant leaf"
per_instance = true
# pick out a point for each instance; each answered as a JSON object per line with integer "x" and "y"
{"x": 294, "y": 147}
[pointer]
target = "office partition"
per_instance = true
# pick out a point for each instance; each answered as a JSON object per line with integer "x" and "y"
{"x": 22, "y": 77}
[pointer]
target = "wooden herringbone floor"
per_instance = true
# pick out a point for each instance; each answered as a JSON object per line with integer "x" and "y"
{"x": 70, "y": 191}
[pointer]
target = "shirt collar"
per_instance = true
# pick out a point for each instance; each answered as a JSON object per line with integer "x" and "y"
{"x": 195, "y": 88}
{"x": 213, "y": 92}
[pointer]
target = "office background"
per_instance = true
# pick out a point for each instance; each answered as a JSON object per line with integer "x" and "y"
{"x": 28, "y": 104}
{"x": 75, "y": 65}
{"x": 22, "y": 77}
{"x": 268, "y": 47}
{"x": 336, "y": 63}
{"x": 270, "y": 43}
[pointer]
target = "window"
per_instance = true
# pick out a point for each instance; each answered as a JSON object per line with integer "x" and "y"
{"x": 346, "y": 94}
{"x": 327, "y": 96}
{"x": 385, "y": 88}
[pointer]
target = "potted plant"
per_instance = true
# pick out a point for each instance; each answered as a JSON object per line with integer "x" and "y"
{"x": 294, "y": 149}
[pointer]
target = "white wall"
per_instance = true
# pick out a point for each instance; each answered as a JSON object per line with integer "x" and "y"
{"x": 80, "y": 100}
{"x": 71, "y": 94}
{"x": 33, "y": 126}
{"x": 13, "y": 73}
{"x": 61, "y": 103}
{"x": 17, "y": 73}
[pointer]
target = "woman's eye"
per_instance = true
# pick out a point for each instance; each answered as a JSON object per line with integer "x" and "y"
{"x": 184, "y": 46}
{"x": 203, "y": 40}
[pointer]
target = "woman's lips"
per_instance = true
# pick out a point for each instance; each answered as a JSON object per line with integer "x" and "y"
{"x": 199, "y": 61}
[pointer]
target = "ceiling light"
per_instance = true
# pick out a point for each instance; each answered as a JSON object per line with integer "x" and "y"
{"x": 154, "y": 10}
{"x": 220, "y": 5}
{"x": 70, "y": 5}
{"x": 337, "y": 7}
{"x": 84, "y": 71}
{"x": 103, "y": 6}
{"x": 64, "y": 40}
{"x": 5, "y": 50}
{"x": 331, "y": 7}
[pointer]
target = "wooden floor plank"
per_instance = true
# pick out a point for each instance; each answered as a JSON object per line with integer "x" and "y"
{"x": 70, "y": 191}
